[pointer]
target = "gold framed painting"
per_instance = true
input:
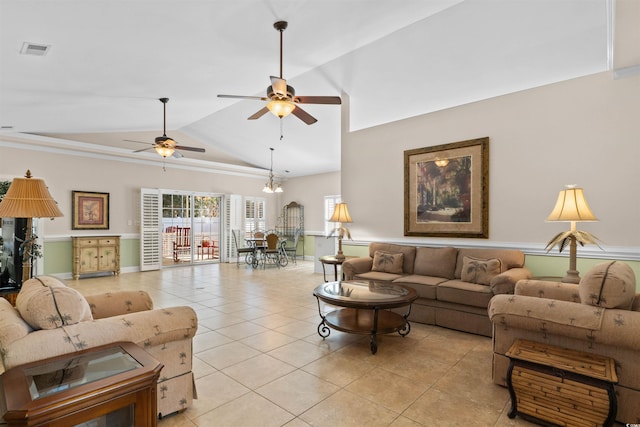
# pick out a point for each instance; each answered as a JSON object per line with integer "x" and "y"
{"x": 447, "y": 190}
{"x": 90, "y": 210}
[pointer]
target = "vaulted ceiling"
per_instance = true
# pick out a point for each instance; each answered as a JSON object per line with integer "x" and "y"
{"x": 109, "y": 61}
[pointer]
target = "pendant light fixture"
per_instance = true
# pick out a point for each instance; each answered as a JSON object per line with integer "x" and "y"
{"x": 270, "y": 186}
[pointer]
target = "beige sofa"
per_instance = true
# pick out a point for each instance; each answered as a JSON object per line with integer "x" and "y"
{"x": 51, "y": 319}
{"x": 579, "y": 318}
{"x": 454, "y": 285}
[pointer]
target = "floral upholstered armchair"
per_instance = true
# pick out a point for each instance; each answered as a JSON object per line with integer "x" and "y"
{"x": 51, "y": 319}
{"x": 601, "y": 315}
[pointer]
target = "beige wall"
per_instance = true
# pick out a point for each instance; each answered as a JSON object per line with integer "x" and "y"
{"x": 310, "y": 191}
{"x": 583, "y": 131}
{"x": 64, "y": 173}
{"x": 121, "y": 179}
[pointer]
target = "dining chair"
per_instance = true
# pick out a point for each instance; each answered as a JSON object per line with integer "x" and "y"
{"x": 248, "y": 251}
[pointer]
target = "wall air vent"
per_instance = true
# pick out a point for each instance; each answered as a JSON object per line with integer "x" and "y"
{"x": 35, "y": 49}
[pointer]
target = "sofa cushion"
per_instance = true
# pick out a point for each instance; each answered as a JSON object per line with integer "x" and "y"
{"x": 608, "y": 285}
{"x": 464, "y": 293}
{"x": 387, "y": 262}
{"x": 437, "y": 262}
{"x": 480, "y": 271}
{"x": 424, "y": 285}
{"x": 409, "y": 253}
{"x": 46, "y": 303}
{"x": 378, "y": 276}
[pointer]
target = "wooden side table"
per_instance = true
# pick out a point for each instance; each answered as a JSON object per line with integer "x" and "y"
{"x": 332, "y": 260}
{"x": 560, "y": 386}
{"x": 10, "y": 295}
{"x": 111, "y": 385}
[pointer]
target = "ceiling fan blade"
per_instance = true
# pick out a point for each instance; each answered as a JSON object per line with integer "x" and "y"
{"x": 139, "y": 142}
{"x": 333, "y": 100}
{"x": 259, "y": 113}
{"x": 177, "y": 155}
{"x": 304, "y": 116}
{"x": 196, "y": 149}
{"x": 258, "y": 98}
{"x": 279, "y": 86}
{"x": 143, "y": 149}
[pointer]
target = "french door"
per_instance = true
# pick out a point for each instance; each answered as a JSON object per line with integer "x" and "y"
{"x": 180, "y": 228}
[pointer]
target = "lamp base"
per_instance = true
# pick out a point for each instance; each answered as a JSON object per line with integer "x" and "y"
{"x": 573, "y": 276}
{"x": 340, "y": 256}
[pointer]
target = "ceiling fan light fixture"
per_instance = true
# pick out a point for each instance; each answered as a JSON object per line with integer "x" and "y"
{"x": 281, "y": 107}
{"x": 164, "y": 151}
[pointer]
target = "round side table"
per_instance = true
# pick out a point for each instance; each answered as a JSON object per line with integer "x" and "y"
{"x": 332, "y": 260}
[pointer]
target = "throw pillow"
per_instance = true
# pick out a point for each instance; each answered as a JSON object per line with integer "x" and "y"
{"x": 46, "y": 303}
{"x": 608, "y": 285}
{"x": 480, "y": 271}
{"x": 387, "y": 262}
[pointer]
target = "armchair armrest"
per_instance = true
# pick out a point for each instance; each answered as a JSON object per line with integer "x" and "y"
{"x": 570, "y": 320}
{"x": 505, "y": 282}
{"x": 111, "y": 304}
{"x": 354, "y": 266}
{"x": 145, "y": 328}
{"x": 548, "y": 290}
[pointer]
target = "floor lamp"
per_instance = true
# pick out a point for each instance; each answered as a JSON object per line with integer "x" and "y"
{"x": 572, "y": 207}
{"x": 28, "y": 198}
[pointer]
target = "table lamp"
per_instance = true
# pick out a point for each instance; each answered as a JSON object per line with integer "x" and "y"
{"x": 28, "y": 198}
{"x": 572, "y": 207}
{"x": 341, "y": 215}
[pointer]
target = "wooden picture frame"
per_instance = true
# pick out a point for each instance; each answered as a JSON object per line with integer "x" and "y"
{"x": 457, "y": 174}
{"x": 90, "y": 210}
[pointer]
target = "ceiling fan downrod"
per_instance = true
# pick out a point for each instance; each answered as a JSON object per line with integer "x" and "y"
{"x": 164, "y": 107}
{"x": 280, "y": 26}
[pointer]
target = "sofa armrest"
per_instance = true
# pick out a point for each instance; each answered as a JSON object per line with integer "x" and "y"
{"x": 505, "y": 282}
{"x": 121, "y": 302}
{"x": 354, "y": 266}
{"x": 549, "y": 290}
{"x": 145, "y": 328}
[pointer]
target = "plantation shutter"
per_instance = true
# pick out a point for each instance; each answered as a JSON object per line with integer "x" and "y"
{"x": 150, "y": 230}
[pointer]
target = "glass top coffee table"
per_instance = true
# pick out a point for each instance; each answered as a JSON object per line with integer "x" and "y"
{"x": 362, "y": 307}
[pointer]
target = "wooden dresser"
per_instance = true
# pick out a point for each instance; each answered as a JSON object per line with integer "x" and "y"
{"x": 95, "y": 254}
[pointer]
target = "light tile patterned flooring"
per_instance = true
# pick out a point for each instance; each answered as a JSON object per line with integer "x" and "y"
{"x": 259, "y": 361}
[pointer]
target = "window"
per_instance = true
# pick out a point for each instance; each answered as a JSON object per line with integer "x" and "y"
{"x": 330, "y": 203}
{"x": 254, "y": 214}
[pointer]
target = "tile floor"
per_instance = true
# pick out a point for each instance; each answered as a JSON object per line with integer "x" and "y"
{"x": 258, "y": 359}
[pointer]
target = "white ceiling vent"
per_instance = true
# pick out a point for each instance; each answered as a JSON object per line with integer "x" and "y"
{"x": 35, "y": 49}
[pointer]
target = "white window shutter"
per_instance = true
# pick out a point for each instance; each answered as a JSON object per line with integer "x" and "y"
{"x": 150, "y": 230}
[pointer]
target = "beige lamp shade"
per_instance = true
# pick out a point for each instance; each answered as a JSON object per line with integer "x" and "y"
{"x": 28, "y": 198}
{"x": 341, "y": 213}
{"x": 571, "y": 206}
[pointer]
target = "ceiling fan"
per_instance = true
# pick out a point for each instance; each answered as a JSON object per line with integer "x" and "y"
{"x": 282, "y": 97}
{"x": 164, "y": 145}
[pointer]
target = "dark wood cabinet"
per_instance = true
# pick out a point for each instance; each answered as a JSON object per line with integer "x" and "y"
{"x": 104, "y": 386}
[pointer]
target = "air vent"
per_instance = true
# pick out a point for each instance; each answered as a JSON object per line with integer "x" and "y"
{"x": 35, "y": 49}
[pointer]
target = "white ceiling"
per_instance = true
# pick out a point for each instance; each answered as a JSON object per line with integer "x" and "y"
{"x": 110, "y": 60}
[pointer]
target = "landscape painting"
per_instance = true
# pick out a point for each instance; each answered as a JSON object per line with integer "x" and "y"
{"x": 446, "y": 190}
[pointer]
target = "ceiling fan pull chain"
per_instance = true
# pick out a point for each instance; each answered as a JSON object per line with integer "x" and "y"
{"x": 281, "y": 131}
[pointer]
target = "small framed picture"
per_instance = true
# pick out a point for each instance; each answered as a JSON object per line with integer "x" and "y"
{"x": 90, "y": 210}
